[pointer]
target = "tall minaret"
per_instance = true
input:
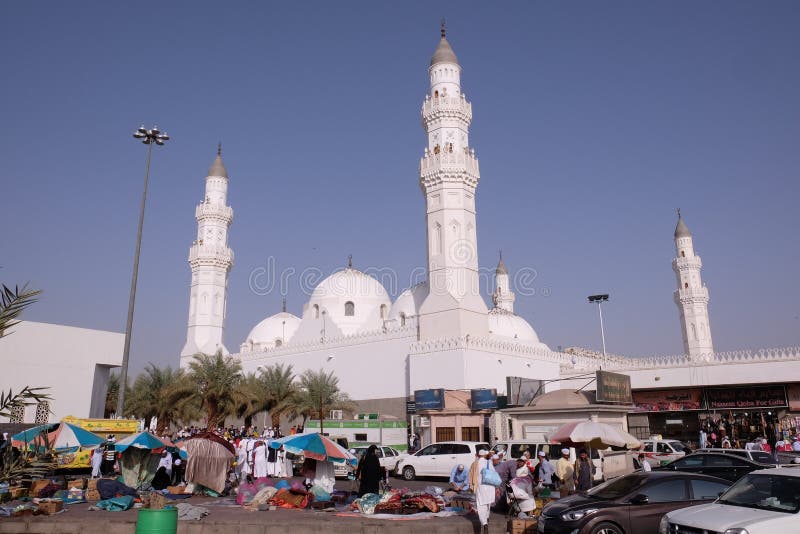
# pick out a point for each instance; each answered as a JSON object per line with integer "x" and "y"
{"x": 211, "y": 261}
{"x": 691, "y": 296}
{"x": 503, "y": 296}
{"x": 449, "y": 175}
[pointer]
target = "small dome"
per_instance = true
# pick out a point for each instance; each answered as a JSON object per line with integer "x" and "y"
{"x": 352, "y": 300}
{"x": 681, "y": 230}
{"x": 564, "y": 398}
{"x": 218, "y": 168}
{"x": 408, "y": 302}
{"x": 444, "y": 53}
{"x": 273, "y": 331}
{"x": 505, "y": 324}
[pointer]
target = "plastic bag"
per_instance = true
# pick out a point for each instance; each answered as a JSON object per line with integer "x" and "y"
{"x": 490, "y": 477}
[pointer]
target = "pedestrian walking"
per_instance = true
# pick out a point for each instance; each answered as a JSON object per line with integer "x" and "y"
{"x": 369, "y": 472}
{"x": 484, "y": 493}
{"x": 584, "y": 472}
{"x": 97, "y": 461}
{"x": 564, "y": 473}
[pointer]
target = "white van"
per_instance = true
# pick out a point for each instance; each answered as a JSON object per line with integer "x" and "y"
{"x": 608, "y": 464}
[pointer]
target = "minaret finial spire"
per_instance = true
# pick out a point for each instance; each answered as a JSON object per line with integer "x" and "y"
{"x": 679, "y": 213}
{"x": 501, "y": 254}
{"x": 219, "y": 148}
{"x": 350, "y": 261}
{"x": 444, "y": 28}
{"x": 284, "y": 305}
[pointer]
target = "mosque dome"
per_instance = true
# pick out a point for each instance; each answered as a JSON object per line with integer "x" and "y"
{"x": 444, "y": 53}
{"x": 505, "y": 324}
{"x": 681, "y": 230}
{"x": 352, "y": 300}
{"x": 407, "y": 303}
{"x": 274, "y": 331}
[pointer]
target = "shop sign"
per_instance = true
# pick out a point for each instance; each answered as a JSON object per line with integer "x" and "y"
{"x": 749, "y": 397}
{"x": 411, "y": 407}
{"x": 668, "y": 400}
{"x": 613, "y": 387}
{"x": 484, "y": 399}
{"x": 793, "y": 395}
{"x": 429, "y": 399}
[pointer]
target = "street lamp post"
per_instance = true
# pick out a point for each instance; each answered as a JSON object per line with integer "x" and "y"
{"x": 149, "y": 138}
{"x": 600, "y": 299}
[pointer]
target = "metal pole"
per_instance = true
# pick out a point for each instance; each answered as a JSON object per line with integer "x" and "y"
{"x": 602, "y": 331}
{"x": 123, "y": 379}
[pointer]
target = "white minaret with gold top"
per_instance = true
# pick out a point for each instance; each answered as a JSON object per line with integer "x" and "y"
{"x": 449, "y": 175}
{"x": 691, "y": 296}
{"x": 211, "y": 260}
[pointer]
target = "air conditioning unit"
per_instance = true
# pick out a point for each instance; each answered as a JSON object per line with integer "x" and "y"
{"x": 336, "y": 414}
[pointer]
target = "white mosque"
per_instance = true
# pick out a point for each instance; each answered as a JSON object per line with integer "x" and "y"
{"x": 436, "y": 334}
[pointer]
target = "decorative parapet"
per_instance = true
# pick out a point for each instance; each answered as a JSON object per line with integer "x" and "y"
{"x": 200, "y": 254}
{"x": 359, "y": 338}
{"x": 215, "y": 211}
{"x": 447, "y": 106}
{"x": 449, "y": 166}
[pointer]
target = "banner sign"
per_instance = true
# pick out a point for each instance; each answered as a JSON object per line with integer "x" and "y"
{"x": 521, "y": 391}
{"x": 749, "y": 397}
{"x": 429, "y": 399}
{"x": 484, "y": 399}
{"x": 669, "y": 400}
{"x": 411, "y": 407}
{"x": 613, "y": 387}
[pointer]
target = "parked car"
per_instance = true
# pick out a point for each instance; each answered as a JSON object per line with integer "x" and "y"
{"x": 757, "y": 456}
{"x": 761, "y": 502}
{"x": 659, "y": 451}
{"x": 716, "y": 464}
{"x": 387, "y": 456}
{"x": 438, "y": 459}
{"x": 631, "y": 504}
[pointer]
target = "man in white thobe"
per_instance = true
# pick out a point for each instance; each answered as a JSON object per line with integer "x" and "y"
{"x": 260, "y": 460}
{"x": 97, "y": 461}
{"x": 484, "y": 493}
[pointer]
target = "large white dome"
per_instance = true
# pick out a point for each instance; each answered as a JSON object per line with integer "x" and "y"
{"x": 273, "y": 331}
{"x": 350, "y": 301}
{"x": 505, "y": 324}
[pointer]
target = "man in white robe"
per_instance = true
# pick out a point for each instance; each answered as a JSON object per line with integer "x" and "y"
{"x": 97, "y": 461}
{"x": 260, "y": 460}
{"x": 484, "y": 493}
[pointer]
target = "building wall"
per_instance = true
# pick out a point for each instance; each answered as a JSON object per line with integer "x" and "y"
{"x": 73, "y": 362}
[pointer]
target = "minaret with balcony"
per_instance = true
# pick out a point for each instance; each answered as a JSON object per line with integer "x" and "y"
{"x": 211, "y": 260}
{"x": 691, "y": 296}
{"x": 503, "y": 297}
{"x": 449, "y": 176}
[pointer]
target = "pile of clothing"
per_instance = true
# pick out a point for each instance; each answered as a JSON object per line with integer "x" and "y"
{"x": 399, "y": 502}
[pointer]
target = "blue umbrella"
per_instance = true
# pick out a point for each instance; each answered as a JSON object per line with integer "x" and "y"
{"x": 142, "y": 440}
{"x": 315, "y": 446}
{"x": 21, "y": 439}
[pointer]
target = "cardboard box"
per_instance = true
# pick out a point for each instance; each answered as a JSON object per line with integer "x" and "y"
{"x": 176, "y": 490}
{"x": 92, "y": 483}
{"x": 50, "y": 506}
{"x": 522, "y": 526}
{"x": 37, "y": 486}
{"x": 17, "y": 492}
{"x": 92, "y": 495}
{"x": 78, "y": 483}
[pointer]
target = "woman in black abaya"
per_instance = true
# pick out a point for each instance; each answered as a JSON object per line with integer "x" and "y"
{"x": 369, "y": 472}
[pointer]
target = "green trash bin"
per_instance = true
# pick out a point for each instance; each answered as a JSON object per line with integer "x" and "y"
{"x": 157, "y": 521}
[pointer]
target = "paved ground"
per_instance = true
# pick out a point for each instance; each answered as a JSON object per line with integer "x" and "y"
{"x": 227, "y": 520}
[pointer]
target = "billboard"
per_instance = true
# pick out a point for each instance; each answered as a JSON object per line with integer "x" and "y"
{"x": 613, "y": 387}
{"x": 521, "y": 391}
{"x": 669, "y": 400}
{"x": 484, "y": 399}
{"x": 429, "y": 399}
{"x": 747, "y": 397}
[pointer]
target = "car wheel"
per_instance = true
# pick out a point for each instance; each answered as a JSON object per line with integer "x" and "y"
{"x": 408, "y": 473}
{"x": 606, "y": 528}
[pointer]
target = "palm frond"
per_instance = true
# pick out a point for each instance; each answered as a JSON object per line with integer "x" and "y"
{"x": 12, "y": 304}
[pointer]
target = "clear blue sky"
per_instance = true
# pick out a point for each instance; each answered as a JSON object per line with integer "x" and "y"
{"x": 593, "y": 121}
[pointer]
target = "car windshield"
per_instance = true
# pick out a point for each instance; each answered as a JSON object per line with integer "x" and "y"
{"x": 778, "y": 493}
{"x": 614, "y": 489}
{"x": 678, "y": 445}
{"x": 762, "y": 457}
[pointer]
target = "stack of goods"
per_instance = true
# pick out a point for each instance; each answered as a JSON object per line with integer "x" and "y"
{"x": 399, "y": 502}
{"x": 290, "y": 498}
{"x": 49, "y": 506}
{"x": 91, "y": 490}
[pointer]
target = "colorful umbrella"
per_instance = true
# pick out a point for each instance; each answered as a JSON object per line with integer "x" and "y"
{"x": 71, "y": 437}
{"x": 22, "y": 439}
{"x": 595, "y": 435}
{"x": 315, "y": 446}
{"x": 142, "y": 440}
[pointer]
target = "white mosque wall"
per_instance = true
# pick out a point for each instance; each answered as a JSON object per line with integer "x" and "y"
{"x": 74, "y": 363}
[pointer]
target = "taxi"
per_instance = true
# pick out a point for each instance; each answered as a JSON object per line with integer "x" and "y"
{"x": 659, "y": 451}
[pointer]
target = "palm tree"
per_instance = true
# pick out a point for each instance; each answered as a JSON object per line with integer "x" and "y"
{"x": 319, "y": 394}
{"x": 281, "y": 390}
{"x": 250, "y": 398}
{"x": 212, "y": 381}
{"x": 112, "y": 394}
{"x": 12, "y": 304}
{"x": 154, "y": 394}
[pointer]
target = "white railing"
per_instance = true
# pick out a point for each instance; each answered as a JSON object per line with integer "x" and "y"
{"x": 449, "y": 161}
{"x": 214, "y": 210}
{"x": 215, "y": 253}
{"x": 692, "y": 292}
{"x": 447, "y": 104}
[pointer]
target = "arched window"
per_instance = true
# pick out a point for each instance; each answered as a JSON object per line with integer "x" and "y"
{"x": 683, "y": 254}
{"x": 383, "y": 311}
{"x": 686, "y": 285}
{"x": 349, "y": 309}
{"x": 436, "y": 94}
{"x": 402, "y": 319}
{"x": 316, "y": 311}
{"x": 694, "y": 331}
{"x": 278, "y": 342}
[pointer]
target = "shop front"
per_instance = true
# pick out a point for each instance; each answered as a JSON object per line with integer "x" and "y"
{"x": 454, "y": 415}
{"x": 741, "y": 413}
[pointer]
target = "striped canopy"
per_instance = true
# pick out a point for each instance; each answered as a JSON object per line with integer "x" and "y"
{"x": 315, "y": 446}
{"x": 142, "y": 440}
{"x": 66, "y": 437}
